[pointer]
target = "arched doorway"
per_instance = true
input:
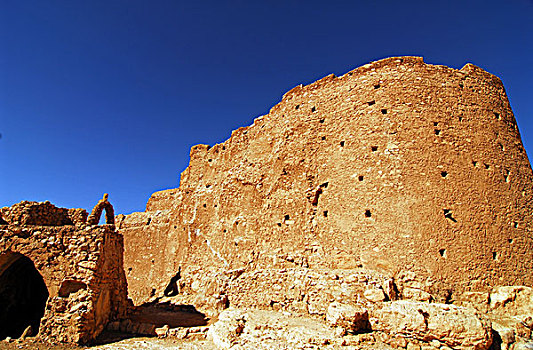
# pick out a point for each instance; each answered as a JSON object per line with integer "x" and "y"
{"x": 23, "y": 295}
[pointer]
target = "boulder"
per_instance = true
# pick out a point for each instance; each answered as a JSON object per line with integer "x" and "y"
{"x": 455, "y": 326}
{"x": 351, "y": 318}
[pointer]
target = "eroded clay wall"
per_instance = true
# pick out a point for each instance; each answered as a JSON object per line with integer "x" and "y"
{"x": 398, "y": 166}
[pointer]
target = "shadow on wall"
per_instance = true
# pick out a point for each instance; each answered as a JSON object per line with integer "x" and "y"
{"x": 23, "y": 295}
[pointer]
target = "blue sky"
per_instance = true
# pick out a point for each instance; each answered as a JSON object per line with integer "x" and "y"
{"x": 109, "y": 96}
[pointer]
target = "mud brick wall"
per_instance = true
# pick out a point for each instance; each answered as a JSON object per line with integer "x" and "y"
{"x": 398, "y": 166}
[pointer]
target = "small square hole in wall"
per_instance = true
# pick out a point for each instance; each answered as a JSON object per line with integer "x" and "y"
{"x": 361, "y": 178}
{"x": 322, "y": 120}
{"x": 368, "y": 213}
{"x": 444, "y": 174}
{"x": 370, "y": 103}
{"x": 313, "y": 109}
{"x": 325, "y": 213}
{"x": 442, "y": 252}
{"x": 323, "y": 138}
{"x": 497, "y": 115}
{"x": 374, "y": 148}
{"x": 342, "y": 143}
{"x": 437, "y": 132}
{"x": 377, "y": 86}
{"x": 435, "y": 123}
{"x": 383, "y": 111}
{"x": 287, "y": 217}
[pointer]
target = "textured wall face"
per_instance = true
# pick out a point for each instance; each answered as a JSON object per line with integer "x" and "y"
{"x": 397, "y": 166}
{"x": 81, "y": 266}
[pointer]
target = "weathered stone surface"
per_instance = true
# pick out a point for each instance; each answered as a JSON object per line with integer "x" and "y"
{"x": 256, "y": 329}
{"x": 406, "y": 168}
{"x": 349, "y": 317}
{"x": 457, "y": 327}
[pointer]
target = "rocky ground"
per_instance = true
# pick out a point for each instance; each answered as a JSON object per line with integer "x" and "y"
{"x": 499, "y": 320}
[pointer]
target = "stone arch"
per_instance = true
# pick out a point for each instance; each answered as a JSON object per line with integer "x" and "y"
{"x": 23, "y": 295}
{"x": 94, "y": 218}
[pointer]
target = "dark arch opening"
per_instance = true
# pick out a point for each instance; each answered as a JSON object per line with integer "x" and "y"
{"x": 23, "y": 295}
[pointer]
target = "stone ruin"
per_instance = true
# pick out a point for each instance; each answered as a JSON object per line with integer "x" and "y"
{"x": 413, "y": 170}
{"x": 399, "y": 180}
{"x": 59, "y": 276}
{"x": 394, "y": 202}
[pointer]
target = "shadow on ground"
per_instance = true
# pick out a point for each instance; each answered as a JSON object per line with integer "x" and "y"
{"x": 157, "y": 314}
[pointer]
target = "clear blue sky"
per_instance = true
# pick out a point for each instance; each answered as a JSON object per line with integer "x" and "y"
{"x": 109, "y": 96}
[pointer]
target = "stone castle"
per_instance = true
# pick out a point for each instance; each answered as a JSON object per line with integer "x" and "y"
{"x": 397, "y": 182}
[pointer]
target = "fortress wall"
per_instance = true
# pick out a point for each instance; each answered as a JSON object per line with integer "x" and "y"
{"x": 421, "y": 171}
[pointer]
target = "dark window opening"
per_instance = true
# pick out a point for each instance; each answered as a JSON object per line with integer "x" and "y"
{"x": 323, "y": 138}
{"x": 487, "y": 166}
{"x": 383, "y": 111}
{"x": 442, "y": 252}
{"x": 368, "y": 213}
{"x": 313, "y": 109}
{"x": 497, "y": 115}
{"x": 210, "y": 160}
{"x": 374, "y": 148}
{"x": 510, "y": 240}
{"x": 287, "y": 217}
{"x": 495, "y": 256}
{"x": 205, "y": 205}
{"x": 474, "y": 163}
{"x": 279, "y": 224}
{"x": 342, "y": 143}
{"x": 370, "y": 103}
{"x": 325, "y": 185}
{"x": 297, "y": 106}
{"x": 361, "y": 177}
{"x": 377, "y": 86}
{"x": 515, "y": 224}
{"x": 444, "y": 174}
{"x": 437, "y": 132}
{"x": 148, "y": 221}
{"x": 325, "y": 213}
{"x": 322, "y": 120}
{"x": 435, "y": 123}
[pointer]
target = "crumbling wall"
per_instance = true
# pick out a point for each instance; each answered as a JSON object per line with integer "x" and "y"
{"x": 81, "y": 267}
{"x": 43, "y": 214}
{"x": 413, "y": 170}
